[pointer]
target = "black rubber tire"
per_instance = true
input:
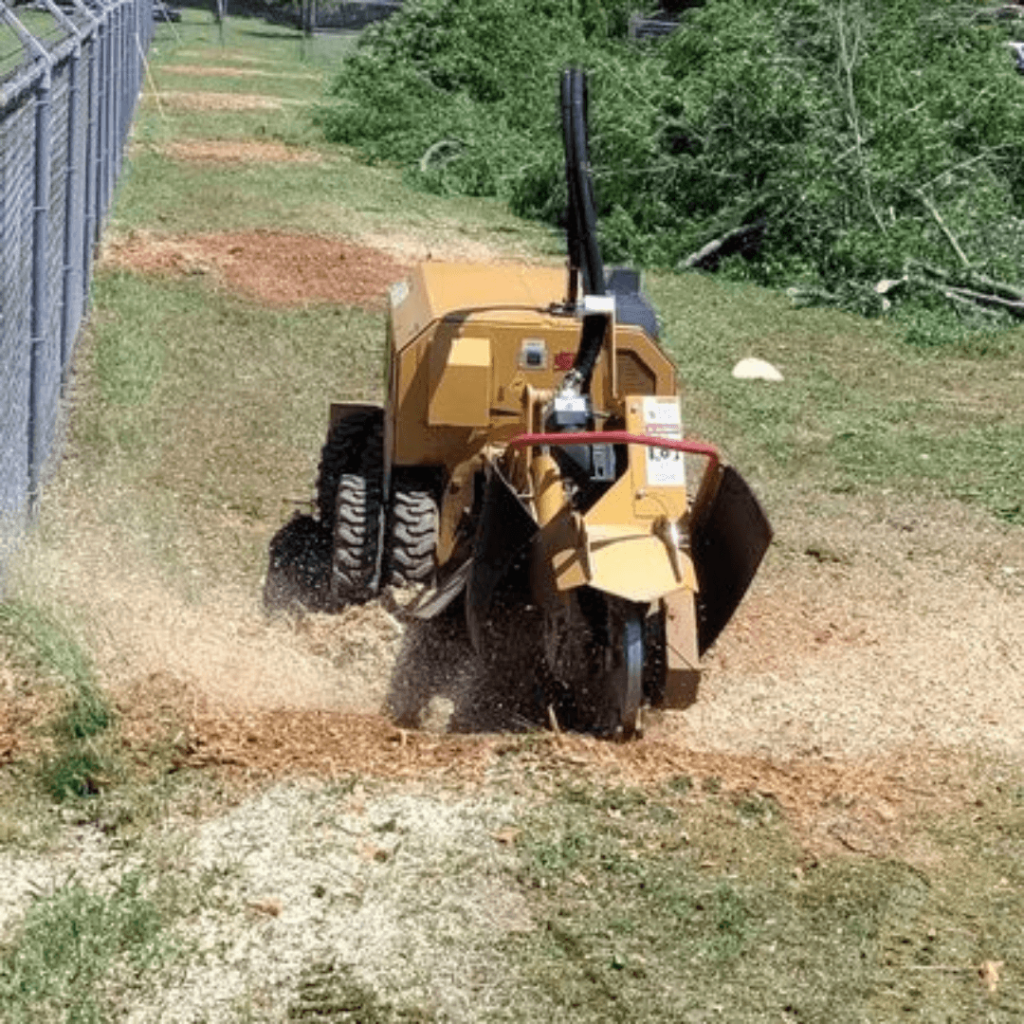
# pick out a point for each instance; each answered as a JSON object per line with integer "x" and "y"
{"x": 341, "y": 454}
{"x": 655, "y": 657}
{"x": 412, "y": 533}
{"x": 358, "y": 512}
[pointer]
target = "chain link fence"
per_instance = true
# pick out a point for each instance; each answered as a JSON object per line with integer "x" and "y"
{"x": 70, "y": 75}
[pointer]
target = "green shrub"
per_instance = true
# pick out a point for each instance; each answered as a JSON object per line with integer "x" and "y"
{"x": 854, "y": 134}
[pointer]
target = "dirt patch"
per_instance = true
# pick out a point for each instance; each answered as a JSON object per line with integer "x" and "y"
{"x": 448, "y": 244}
{"x": 22, "y": 716}
{"x": 227, "y": 55}
{"x": 206, "y": 71}
{"x": 858, "y": 807}
{"x": 276, "y": 268}
{"x": 213, "y": 101}
{"x": 231, "y": 151}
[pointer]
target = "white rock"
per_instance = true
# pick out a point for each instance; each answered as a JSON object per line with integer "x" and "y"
{"x": 755, "y": 369}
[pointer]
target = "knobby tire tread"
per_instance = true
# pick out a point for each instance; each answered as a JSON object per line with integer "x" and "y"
{"x": 412, "y": 534}
{"x": 342, "y": 454}
{"x": 356, "y": 520}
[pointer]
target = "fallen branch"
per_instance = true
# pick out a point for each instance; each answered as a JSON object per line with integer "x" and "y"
{"x": 707, "y": 257}
{"x": 440, "y": 152}
{"x": 969, "y": 285}
{"x": 1013, "y": 306}
{"x": 961, "y": 300}
{"x": 950, "y": 237}
{"x": 1008, "y": 291}
{"x": 963, "y": 296}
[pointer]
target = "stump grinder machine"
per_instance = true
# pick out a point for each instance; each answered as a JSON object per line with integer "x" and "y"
{"x": 532, "y": 425}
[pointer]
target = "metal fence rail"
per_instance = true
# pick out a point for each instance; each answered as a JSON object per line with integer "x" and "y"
{"x": 70, "y": 75}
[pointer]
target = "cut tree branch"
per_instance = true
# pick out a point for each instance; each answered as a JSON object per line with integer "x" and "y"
{"x": 950, "y": 237}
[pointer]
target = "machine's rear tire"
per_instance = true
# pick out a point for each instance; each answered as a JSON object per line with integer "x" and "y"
{"x": 357, "y": 519}
{"x": 341, "y": 454}
{"x": 412, "y": 533}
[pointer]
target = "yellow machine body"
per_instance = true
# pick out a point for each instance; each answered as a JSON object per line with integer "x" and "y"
{"x": 532, "y": 436}
{"x": 474, "y": 353}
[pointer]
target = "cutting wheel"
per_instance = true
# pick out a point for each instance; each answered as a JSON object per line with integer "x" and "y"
{"x": 596, "y": 649}
{"x": 627, "y": 632}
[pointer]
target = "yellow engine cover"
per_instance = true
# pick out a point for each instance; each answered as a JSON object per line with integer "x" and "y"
{"x": 460, "y": 394}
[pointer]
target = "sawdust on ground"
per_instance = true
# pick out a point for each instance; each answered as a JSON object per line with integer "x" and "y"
{"x": 216, "y": 71}
{"x": 213, "y": 101}
{"x": 237, "y": 151}
{"x": 273, "y": 267}
{"x": 853, "y": 691}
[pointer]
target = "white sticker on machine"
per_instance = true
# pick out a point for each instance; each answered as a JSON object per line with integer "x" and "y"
{"x": 662, "y": 418}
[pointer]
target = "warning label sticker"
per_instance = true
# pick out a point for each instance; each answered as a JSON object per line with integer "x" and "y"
{"x": 665, "y": 467}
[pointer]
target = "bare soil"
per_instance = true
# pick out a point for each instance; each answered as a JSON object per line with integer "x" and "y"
{"x": 215, "y": 71}
{"x": 236, "y": 151}
{"x": 208, "y": 101}
{"x": 276, "y": 268}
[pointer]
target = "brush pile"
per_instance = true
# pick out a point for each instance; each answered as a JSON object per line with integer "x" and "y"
{"x": 828, "y": 144}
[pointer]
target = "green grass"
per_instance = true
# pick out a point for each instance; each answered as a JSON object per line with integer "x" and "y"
{"x": 667, "y": 907}
{"x": 337, "y": 196}
{"x": 214, "y": 410}
{"x": 83, "y": 760}
{"x": 33, "y": 636}
{"x": 859, "y": 411}
{"x": 76, "y": 949}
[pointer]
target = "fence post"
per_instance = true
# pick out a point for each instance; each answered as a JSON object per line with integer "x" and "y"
{"x": 72, "y": 176}
{"x": 40, "y": 284}
{"x": 86, "y": 77}
{"x": 104, "y": 122}
{"x": 92, "y": 152}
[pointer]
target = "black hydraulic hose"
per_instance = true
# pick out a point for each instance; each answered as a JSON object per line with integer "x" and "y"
{"x": 584, "y": 252}
{"x": 593, "y": 264}
{"x": 573, "y": 232}
{"x": 595, "y": 327}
